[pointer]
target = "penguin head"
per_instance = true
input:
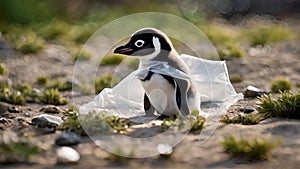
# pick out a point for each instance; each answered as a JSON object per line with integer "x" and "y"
{"x": 146, "y": 43}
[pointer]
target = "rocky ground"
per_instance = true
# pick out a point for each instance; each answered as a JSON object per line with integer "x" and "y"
{"x": 260, "y": 66}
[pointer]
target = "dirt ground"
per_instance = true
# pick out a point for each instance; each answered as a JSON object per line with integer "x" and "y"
{"x": 259, "y": 67}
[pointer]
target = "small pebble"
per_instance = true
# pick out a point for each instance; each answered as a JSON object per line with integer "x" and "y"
{"x": 13, "y": 109}
{"x": 67, "y": 155}
{"x": 164, "y": 149}
{"x": 46, "y": 120}
{"x": 247, "y": 110}
{"x": 68, "y": 139}
{"x": 51, "y": 109}
{"x": 251, "y": 91}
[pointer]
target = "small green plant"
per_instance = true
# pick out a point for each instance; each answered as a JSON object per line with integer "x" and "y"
{"x": 298, "y": 85}
{"x": 59, "y": 85}
{"x": 112, "y": 60}
{"x": 7, "y": 94}
{"x": 52, "y": 96}
{"x": 231, "y": 51}
{"x": 118, "y": 124}
{"x": 103, "y": 82}
{"x": 92, "y": 123}
{"x": 285, "y": 106}
{"x": 168, "y": 122}
{"x": 120, "y": 154}
{"x": 17, "y": 151}
{"x": 197, "y": 125}
{"x": 71, "y": 122}
{"x": 54, "y": 30}
{"x": 245, "y": 119}
{"x": 42, "y": 80}
{"x": 235, "y": 79}
{"x": 28, "y": 42}
{"x": 270, "y": 34}
{"x": 82, "y": 55}
{"x": 255, "y": 149}
{"x": 199, "y": 121}
{"x": 3, "y": 70}
{"x": 280, "y": 85}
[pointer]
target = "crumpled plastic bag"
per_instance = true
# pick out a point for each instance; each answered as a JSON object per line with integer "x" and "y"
{"x": 126, "y": 99}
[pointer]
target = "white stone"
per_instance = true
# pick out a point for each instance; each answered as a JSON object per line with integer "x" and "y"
{"x": 67, "y": 155}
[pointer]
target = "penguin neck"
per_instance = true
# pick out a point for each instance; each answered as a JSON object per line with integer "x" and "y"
{"x": 156, "y": 57}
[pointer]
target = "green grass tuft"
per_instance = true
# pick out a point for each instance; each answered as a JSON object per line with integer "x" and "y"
{"x": 3, "y": 70}
{"x": 265, "y": 35}
{"x": 9, "y": 95}
{"x": 280, "y": 85}
{"x": 28, "y": 42}
{"x": 112, "y": 60}
{"x": 235, "y": 79}
{"x": 42, "y": 80}
{"x": 199, "y": 121}
{"x": 198, "y": 124}
{"x": 92, "y": 123}
{"x": 119, "y": 154}
{"x": 82, "y": 55}
{"x": 17, "y": 151}
{"x": 59, "y": 85}
{"x": 104, "y": 82}
{"x": 285, "y": 106}
{"x": 52, "y": 96}
{"x": 255, "y": 149}
{"x": 245, "y": 119}
{"x": 230, "y": 51}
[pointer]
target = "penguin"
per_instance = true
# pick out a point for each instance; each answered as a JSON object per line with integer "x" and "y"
{"x": 166, "y": 94}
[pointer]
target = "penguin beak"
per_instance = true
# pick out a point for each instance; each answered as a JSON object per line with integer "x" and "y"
{"x": 123, "y": 50}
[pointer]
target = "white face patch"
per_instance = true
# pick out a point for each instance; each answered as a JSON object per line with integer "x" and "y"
{"x": 157, "y": 47}
{"x": 139, "y": 43}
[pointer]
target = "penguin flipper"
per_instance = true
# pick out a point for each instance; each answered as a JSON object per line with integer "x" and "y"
{"x": 149, "y": 109}
{"x": 182, "y": 87}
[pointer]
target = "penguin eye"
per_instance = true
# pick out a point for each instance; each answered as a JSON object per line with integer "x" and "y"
{"x": 139, "y": 43}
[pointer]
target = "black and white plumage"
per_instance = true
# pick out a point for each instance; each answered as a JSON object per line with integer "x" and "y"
{"x": 165, "y": 93}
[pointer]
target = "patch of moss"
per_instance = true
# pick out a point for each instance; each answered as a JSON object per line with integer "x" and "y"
{"x": 112, "y": 60}
{"x": 104, "y": 82}
{"x": 285, "y": 106}
{"x": 3, "y": 70}
{"x": 52, "y": 96}
{"x": 280, "y": 85}
{"x": 245, "y": 119}
{"x": 255, "y": 149}
{"x": 17, "y": 151}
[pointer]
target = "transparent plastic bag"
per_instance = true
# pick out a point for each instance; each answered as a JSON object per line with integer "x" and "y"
{"x": 210, "y": 77}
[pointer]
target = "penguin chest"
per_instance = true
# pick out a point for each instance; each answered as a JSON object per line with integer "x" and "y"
{"x": 161, "y": 94}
